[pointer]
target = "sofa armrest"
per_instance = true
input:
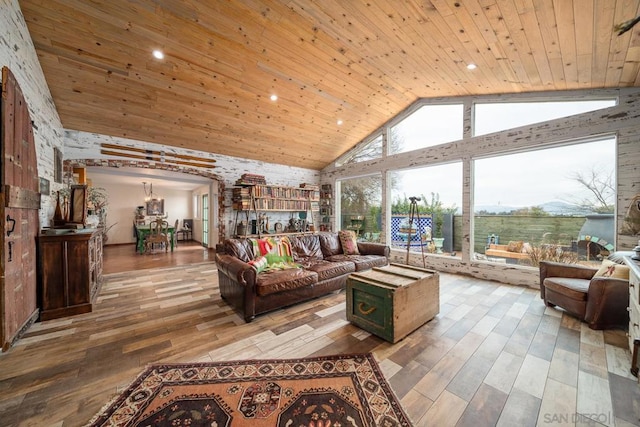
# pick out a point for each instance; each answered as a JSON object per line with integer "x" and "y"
{"x": 237, "y": 270}
{"x": 370, "y": 248}
{"x": 607, "y": 302}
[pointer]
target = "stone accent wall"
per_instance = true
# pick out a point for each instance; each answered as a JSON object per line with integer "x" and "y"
{"x": 18, "y": 53}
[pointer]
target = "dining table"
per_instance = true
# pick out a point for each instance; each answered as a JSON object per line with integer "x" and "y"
{"x": 143, "y": 231}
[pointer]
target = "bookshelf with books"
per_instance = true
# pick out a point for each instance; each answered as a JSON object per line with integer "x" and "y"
{"x": 265, "y": 208}
{"x": 326, "y": 207}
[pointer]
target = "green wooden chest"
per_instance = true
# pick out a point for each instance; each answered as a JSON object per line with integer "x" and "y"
{"x": 393, "y": 301}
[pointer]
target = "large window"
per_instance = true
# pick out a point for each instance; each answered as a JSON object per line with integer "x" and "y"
{"x": 369, "y": 151}
{"x": 361, "y": 206}
{"x": 497, "y": 116}
{"x": 546, "y": 203}
{"x": 428, "y": 126}
{"x": 436, "y": 195}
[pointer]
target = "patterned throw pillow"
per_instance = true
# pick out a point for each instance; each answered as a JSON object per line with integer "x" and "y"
{"x": 259, "y": 263}
{"x": 613, "y": 270}
{"x": 348, "y": 242}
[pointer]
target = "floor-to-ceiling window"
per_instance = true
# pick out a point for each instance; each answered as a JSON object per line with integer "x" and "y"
{"x": 436, "y": 195}
{"x": 361, "y": 206}
{"x": 439, "y": 153}
{"x": 556, "y": 201}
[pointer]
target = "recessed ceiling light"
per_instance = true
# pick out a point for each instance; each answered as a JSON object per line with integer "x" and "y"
{"x": 339, "y": 122}
{"x": 158, "y": 54}
{"x": 274, "y": 97}
{"x": 471, "y": 66}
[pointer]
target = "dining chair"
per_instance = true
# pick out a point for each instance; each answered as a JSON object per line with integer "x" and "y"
{"x": 186, "y": 230}
{"x": 136, "y": 235}
{"x": 158, "y": 234}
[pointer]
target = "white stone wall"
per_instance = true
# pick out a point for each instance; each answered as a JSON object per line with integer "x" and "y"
{"x": 19, "y": 55}
{"x": 85, "y": 145}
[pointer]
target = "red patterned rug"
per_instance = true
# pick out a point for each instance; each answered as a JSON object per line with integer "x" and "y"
{"x": 331, "y": 391}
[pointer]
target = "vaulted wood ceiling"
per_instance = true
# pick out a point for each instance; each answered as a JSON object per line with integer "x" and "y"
{"x": 361, "y": 62}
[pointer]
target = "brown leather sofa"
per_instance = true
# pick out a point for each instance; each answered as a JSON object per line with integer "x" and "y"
{"x": 324, "y": 269}
{"x": 601, "y": 302}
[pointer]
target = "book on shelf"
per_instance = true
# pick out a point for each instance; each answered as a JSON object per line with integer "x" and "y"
{"x": 251, "y": 179}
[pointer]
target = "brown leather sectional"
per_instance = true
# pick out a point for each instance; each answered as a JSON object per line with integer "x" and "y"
{"x": 324, "y": 269}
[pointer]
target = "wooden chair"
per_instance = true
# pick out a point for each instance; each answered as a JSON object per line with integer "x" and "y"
{"x": 136, "y": 234}
{"x": 158, "y": 234}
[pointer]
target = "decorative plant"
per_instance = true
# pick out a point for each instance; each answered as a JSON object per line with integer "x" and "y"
{"x": 550, "y": 252}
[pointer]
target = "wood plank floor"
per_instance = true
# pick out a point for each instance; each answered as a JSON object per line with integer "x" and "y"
{"x": 495, "y": 355}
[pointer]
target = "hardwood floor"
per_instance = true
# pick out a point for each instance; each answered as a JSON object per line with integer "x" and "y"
{"x": 495, "y": 355}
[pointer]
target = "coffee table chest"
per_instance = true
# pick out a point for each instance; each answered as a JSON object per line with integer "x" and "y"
{"x": 393, "y": 301}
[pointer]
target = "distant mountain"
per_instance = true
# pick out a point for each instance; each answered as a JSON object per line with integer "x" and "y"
{"x": 555, "y": 207}
{"x": 563, "y": 208}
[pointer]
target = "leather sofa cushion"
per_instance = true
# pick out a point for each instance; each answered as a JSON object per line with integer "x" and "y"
{"x": 282, "y": 280}
{"x": 330, "y": 244}
{"x": 239, "y": 248}
{"x": 306, "y": 247}
{"x": 329, "y": 270}
{"x": 576, "y": 289}
{"x": 362, "y": 262}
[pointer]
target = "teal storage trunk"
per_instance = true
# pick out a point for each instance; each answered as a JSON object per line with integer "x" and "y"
{"x": 393, "y": 301}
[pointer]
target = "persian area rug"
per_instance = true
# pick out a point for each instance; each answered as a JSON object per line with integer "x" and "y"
{"x": 331, "y": 391}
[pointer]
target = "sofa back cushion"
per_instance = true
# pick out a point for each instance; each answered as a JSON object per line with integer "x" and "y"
{"x": 306, "y": 248}
{"x": 330, "y": 244}
{"x": 239, "y": 248}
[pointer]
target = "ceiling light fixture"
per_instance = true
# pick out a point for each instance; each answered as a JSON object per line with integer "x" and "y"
{"x": 148, "y": 194}
{"x": 339, "y": 122}
{"x": 158, "y": 54}
{"x": 471, "y": 66}
{"x": 274, "y": 97}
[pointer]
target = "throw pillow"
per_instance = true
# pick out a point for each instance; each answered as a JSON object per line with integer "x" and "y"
{"x": 259, "y": 263}
{"x": 515, "y": 246}
{"x": 348, "y": 242}
{"x": 612, "y": 269}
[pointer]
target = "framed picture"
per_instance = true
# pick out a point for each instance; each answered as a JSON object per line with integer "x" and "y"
{"x": 45, "y": 189}
{"x": 155, "y": 207}
{"x": 78, "y": 204}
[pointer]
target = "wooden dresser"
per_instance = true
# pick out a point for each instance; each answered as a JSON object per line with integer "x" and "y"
{"x": 634, "y": 311}
{"x": 69, "y": 273}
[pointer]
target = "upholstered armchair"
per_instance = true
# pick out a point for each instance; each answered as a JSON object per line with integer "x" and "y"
{"x": 597, "y": 296}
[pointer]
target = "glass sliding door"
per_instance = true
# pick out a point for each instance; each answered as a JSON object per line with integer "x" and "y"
{"x": 205, "y": 220}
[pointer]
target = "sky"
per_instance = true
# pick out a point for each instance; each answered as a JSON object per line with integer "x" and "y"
{"x": 517, "y": 180}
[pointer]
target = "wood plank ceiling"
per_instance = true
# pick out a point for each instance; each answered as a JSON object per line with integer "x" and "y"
{"x": 361, "y": 62}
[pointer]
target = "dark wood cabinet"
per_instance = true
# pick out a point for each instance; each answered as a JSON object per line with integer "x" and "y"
{"x": 70, "y": 273}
